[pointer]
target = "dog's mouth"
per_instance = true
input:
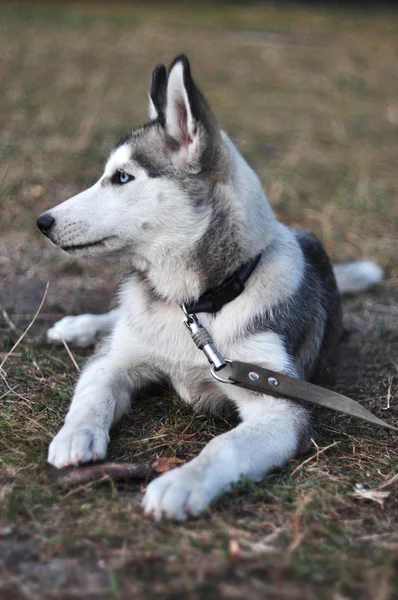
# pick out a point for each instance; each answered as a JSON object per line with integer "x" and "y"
{"x": 87, "y": 245}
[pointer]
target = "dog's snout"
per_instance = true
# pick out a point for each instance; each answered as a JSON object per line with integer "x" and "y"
{"x": 45, "y": 223}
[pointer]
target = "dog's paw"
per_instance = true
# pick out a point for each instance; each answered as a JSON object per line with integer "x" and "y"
{"x": 80, "y": 330}
{"x": 177, "y": 495}
{"x": 73, "y": 446}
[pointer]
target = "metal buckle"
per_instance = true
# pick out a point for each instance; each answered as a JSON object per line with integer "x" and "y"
{"x": 186, "y": 313}
{"x": 201, "y": 337}
{"x": 216, "y": 376}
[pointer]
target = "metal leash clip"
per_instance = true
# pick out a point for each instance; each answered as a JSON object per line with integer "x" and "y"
{"x": 204, "y": 342}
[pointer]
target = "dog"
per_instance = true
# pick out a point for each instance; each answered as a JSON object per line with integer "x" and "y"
{"x": 181, "y": 203}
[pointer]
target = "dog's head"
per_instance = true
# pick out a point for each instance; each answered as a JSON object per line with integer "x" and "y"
{"x": 157, "y": 183}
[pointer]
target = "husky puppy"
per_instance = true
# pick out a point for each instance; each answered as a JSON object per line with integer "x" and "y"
{"x": 181, "y": 203}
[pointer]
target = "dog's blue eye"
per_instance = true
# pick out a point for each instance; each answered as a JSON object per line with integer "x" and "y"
{"x": 123, "y": 178}
{"x": 120, "y": 177}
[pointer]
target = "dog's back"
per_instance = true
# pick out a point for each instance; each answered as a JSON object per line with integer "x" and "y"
{"x": 320, "y": 283}
{"x": 309, "y": 319}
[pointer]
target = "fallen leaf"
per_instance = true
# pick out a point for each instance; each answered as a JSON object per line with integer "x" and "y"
{"x": 166, "y": 463}
{"x": 374, "y": 495}
{"x": 37, "y": 190}
{"x": 234, "y": 548}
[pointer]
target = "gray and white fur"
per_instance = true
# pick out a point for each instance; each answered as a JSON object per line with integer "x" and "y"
{"x": 181, "y": 203}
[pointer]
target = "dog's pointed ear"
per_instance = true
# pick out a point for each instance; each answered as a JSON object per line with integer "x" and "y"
{"x": 189, "y": 120}
{"x": 158, "y": 94}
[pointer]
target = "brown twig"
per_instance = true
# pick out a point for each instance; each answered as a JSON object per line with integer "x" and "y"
{"x": 389, "y": 482}
{"x": 319, "y": 451}
{"x": 112, "y": 470}
{"x": 8, "y": 320}
{"x": 19, "y": 340}
{"x": 71, "y": 355}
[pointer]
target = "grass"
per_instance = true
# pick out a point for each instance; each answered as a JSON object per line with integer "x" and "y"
{"x": 315, "y": 112}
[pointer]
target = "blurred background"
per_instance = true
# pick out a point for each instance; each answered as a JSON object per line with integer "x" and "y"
{"x": 309, "y": 93}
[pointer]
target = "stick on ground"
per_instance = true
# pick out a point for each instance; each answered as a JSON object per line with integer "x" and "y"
{"x": 113, "y": 470}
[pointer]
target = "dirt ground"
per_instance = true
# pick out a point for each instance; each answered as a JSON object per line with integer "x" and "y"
{"x": 310, "y": 97}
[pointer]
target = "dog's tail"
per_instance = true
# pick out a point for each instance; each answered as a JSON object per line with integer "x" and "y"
{"x": 358, "y": 276}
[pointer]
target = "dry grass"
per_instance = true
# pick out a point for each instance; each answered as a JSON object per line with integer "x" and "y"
{"x": 315, "y": 111}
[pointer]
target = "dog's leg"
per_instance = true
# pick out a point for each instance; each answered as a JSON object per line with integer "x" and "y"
{"x": 103, "y": 395}
{"x": 272, "y": 431}
{"x": 82, "y": 330}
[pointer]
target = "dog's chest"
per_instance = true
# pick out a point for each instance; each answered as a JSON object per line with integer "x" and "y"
{"x": 159, "y": 330}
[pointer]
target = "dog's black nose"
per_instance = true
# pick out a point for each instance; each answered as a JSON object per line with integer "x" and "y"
{"x": 45, "y": 222}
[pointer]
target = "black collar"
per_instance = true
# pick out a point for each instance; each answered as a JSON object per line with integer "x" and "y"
{"x": 214, "y": 299}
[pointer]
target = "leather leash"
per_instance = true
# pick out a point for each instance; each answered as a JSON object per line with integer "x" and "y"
{"x": 265, "y": 381}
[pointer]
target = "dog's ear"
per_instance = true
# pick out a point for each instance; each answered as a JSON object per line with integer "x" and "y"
{"x": 189, "y": 120}
{"x": 157, "y": 95}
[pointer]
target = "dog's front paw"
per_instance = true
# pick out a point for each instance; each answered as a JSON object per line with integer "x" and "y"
{"x": 73, "y": 446}
{"x": 81, "y": 330}
{"x": 178, "y": 494}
